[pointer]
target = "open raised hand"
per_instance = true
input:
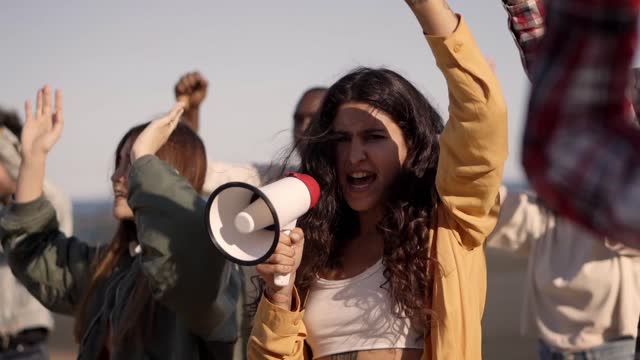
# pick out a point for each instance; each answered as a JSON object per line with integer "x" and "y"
{"x": 43, "y": 128}
{"x": 156, "y": 133}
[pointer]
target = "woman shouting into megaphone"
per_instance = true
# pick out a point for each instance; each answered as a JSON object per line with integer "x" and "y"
{"x": 141, "y": 296}
{"x": 393, "y": 265}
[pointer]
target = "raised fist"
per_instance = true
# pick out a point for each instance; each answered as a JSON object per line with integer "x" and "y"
{"x": 191, "y": 90}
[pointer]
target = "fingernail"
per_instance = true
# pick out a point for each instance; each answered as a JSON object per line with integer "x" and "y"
{"x": 295, "y": 236}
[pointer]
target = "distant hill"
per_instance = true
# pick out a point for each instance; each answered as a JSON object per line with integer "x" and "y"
{"x": 93, "y": 221}
{"x": 517, "y": 186}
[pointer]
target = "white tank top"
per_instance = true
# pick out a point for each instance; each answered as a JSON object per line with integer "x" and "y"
{"x": 355, "y": 315}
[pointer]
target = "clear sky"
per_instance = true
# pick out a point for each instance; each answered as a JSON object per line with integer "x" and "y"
{"x": 117, "y": 63}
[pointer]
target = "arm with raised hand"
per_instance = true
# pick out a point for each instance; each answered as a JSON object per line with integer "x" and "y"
{"x": 580, "y": 148}
{"x": 54, "y": 268}
{"x": 526, "y": 24}
{"x": 39, "y": 134}
{"x": 435, "y": 16}
{"x": 191, "y": 90}
{"x": 187, "y": 274}
{"x": 473, "y": 145}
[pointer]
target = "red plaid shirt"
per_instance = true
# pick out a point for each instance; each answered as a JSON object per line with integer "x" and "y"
{"x": 581, "y": 151}
{"x": 526, "y": 22}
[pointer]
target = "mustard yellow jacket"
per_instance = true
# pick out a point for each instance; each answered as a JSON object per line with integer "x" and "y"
{"x": 472, "y": 155}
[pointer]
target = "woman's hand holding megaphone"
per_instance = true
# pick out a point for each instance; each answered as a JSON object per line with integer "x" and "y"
{"x": 285, "y": 260}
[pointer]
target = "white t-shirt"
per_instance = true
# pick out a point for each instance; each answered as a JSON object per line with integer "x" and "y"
{"x": 582, "y": 289}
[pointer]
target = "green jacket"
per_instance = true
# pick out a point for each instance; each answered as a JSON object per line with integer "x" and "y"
{"x": 195, "y": 288}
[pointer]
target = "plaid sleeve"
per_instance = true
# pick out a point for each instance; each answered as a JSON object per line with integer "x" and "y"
{"x": 526, "y": 23}
{"x": 581, "y": 151}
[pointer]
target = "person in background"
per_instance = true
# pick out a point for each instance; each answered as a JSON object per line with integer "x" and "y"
{"x": 582, "y": 294}
{"x": 24, "y": 323}
{"x": 565, "y": 325}
{"x": 141, "y": 296}
{"x": 191, "y": 89}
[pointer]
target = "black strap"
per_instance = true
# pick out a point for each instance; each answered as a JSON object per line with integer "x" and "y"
{"x": 32, "y": 336}
{"x": 25, "y": 338}
{"x": 216, "y": 350}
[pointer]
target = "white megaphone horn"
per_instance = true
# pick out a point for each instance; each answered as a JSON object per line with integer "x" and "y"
{"x": 245, "y": 221}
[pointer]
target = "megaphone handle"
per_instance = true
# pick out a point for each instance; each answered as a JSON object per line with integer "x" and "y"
{"x": 283, "y": 279}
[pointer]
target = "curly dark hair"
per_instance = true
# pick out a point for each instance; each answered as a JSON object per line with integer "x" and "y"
{"x": 409, "y": 208}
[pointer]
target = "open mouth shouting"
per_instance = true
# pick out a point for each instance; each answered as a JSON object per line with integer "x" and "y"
{"x": 360, "y": 181}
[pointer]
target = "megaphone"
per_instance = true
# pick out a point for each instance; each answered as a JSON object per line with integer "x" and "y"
{"x": 245, "y": 221}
